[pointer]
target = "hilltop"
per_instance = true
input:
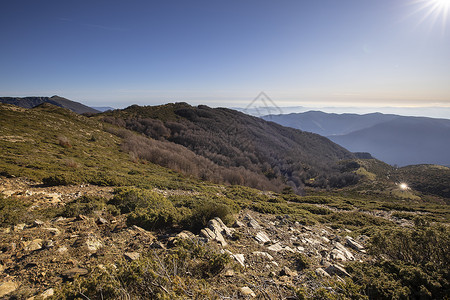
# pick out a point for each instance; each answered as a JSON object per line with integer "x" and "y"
{"x": 30, "y": 102}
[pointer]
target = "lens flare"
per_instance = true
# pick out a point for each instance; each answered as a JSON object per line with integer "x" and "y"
{"x": 403, "y": 186}
{"x": 433, "y": 10}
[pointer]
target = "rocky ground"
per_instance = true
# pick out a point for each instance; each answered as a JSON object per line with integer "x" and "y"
{"x": 270, "y": 253}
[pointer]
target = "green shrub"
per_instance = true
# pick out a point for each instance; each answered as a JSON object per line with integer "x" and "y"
{"x": 13, "y": 211}
{"x": 205, "y": 210}
{"x": 146, "y": 208}
{"x": 84, "y": 205}
{"x": 61, "y": 179}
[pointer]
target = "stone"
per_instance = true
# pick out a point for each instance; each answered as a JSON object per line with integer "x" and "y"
{"x": 47, "y": 293}
{"x": 132, "y": 255}
{"x": 102, "y": 221}
{"x": 321, "y": 273}
{"x": 54, "y": 231}
{"x": 7, "y": 287}
{"x": 239, "y": 258}
{"x": 19, "y": 227}
{"x": 93, "y": 243}
{"x": 253, "y": 224}
{"x": 263, "y": 254}
{"x": 337, "y": 270}
{"x": 262, "y": 237}
{"x": 289, "y": 249}
{"x": 185, "y": 235}
{"x": 238, "y": 224}
{"x": 229, "y": 273}
{"x": 275, "y": 247}
{"x": 38, "y": 223}
{"x": 337, "y": 254}
{"x": 246, "y": 291}
{"x": 62, "y": 249}
{"x": 353, "y": 244}
{"x": 348, "y": 255}
{"x": 33, "y": 245}
{"x": 207, "y": 233}
{"x": 213, "y": 234}
{"x": 157, "y": 245}
{"x": 285, "y": 271}
{"x": 49, "y": 244}
{"x": 224, "y": 229}
{"x": 300, "y": 249}
{"x": 71, "y": 273}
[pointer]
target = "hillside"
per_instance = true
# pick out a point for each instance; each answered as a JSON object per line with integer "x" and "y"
{"x": 259, "y": 153}
{"x": 30, "y": 102}
{"x": 397, "y": 140}
{"x": 82, "y": 217}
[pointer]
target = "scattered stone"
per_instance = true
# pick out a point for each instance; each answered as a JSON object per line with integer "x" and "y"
{"x": 263, "y": 254}
{"x": 47, "y": 293}
{"x": 213, "y": 235}
{"x": 289, "y": 249}
{"x": 7, "y": 287}
{"x": 93, "y": 243}
{"x": 33, "y": 245}
{"x": 19, "y": 227}
{"x": 239, "y": 258}
{"x": 38, "y": 223}
{"x": 348, "y": 255}
{"x": 262, "y": 237}
{"x": 102, "y": 221}
{"x": 288, "y": 272}
{"x": 275, "y": 247}
{"x": 353, "y": 244}
{"x": 49, "y": 244}
{"x": 185, "y": 235}
{"x": 337, "y": 254}
{"x": 321, "y": 273}
{"x": 62, "y": 249}
{"x": 246, "y": 291}
{"x": 300, "y": 249}
{"x": 238, "y": 224}
{"x": 218, "y": 225}
{"x": 229, "y": 273}
{"x": 157, "y": 245}
{"x": 54, "y": 231}
{"x": 71, "y": 273}
{"x": 253, "y": 224}
{"x": 337, "y": 270}
{"x": 132, "y": 255}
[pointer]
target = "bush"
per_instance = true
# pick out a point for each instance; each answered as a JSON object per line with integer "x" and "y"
{"x": 61, "y": 179}
{"x": 205, "y": 210}
{"x": 12, "y": 211}
{"x": 84, "y": 205}
{"x": 147, "y": 209}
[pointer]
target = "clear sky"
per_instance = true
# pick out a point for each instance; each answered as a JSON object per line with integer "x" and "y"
{"x": 223, "y": 53}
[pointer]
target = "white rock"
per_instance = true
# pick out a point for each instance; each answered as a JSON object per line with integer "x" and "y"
{"x": 246, "y": 291}
{"x": 353, "y": 244}
{"x": 275, "y": 247}
{"x": 263, "y": 254}
{"x": 262, "y": 237}
{"x": 47, "y": 293}
{"x": 239, "y": 258}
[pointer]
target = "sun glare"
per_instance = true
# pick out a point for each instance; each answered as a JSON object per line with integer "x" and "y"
{"x": 434, "y": 10}
{"x": 403, "y": 186}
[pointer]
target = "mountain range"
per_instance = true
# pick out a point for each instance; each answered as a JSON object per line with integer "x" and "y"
{"x": 30, "y": 102}
{"x": 397, "y": 140}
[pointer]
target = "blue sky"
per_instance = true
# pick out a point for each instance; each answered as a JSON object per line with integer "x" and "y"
{"x": 223, "y": 53}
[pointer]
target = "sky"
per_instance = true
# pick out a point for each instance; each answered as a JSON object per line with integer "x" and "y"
{"x": 361, "y": 53}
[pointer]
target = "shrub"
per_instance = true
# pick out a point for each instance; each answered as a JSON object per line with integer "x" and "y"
{"x": 64, "y": 142}
{"x": 205, "y": 210}
{"x": 147, "y": 209}
{"x": 61, "y": 179}
{"x": 12, "y": 211}
{"x": 84, "y": 205}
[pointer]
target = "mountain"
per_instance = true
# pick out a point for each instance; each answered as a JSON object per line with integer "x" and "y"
{"x": 30, "y": 102}
{"x": 255, "y": 152}
{"x": 397, "y": 140}
{"x": 103, "y": 108}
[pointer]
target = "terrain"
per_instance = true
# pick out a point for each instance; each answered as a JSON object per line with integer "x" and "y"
{"x": 84, "y": 215}
{"x": 30, "y": 102}
{"x": 397, "y": 140}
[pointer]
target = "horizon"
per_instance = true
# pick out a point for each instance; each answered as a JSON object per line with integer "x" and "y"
{"x": 313, "y": 54}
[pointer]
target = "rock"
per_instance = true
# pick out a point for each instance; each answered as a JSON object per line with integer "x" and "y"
{"x": 246, "y": 291}
{"x": 19, "y": 227}
{"x": 289, "y": 249}
{"x": 213, "y": 235}
{"x": 38, "y": 223}
{"x": 54, "y": 231}
{"x": 337, "y": 254}
{"x": 33, "y": 245}
{"x": 229, "y": 273}
{"x": 225, "y": 230}
{"x": 101, "y": 221}
{"x": 62, "y": 249}
{"x": 253, "y": 224}
{"x": 288, "y": 272}
{"x": 321, "y": 273}
{"x": 238, "y": 224}
{"x": 157, "y": 245}
{"x": 47, "y": 293}
{"x": 185, "y": 235}
{"x": 93, "y": 243}
{"x": 132, "y": 255}
{"x": 275, "y": 247}
{"x": 2, "y": 268}
{"x": 262, "y": 237}
{"x": 300, "y": 249}
{"x": 49, "y": 244}
{"x": 71, "y": 273}
{"x": 263, "y": 254}
{"x": 337, "y": 270}
{"x": 348, "y": 255}
{"x": 239, "y": 258}
{"x": 353, "y": 244}
{"x": 7, "y": 287}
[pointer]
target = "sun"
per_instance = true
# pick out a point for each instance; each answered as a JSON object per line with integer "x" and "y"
{"x": 403, "y": 186}
{"x": 433, "y": 10}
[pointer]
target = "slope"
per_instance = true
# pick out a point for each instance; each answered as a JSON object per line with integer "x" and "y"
{"x": 241, "y": 143}
{"x": 30, "y": 102}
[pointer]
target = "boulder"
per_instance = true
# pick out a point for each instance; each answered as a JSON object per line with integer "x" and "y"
{"x": 348, "y": 255}
{"x": 275, "y": 247}
{"x": 47, "y": 293}
{"x": 130, "y": 256}
{"x": 33, "y": 245}
{"x": 321, "y": 273}
{"x": 263, "y": 254}
{"x": 239, "y": 258}
{"x": 353, "y": 244}
{"x": 288, "y": 272}
{"x": 337, "y": 270}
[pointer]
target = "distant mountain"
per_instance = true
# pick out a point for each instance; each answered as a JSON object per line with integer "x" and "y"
{"x": 103, "y": 108}
{"x": 397, "y": 140}
{"x": 234, "y": 147}
{"x": 30, "y": 102}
